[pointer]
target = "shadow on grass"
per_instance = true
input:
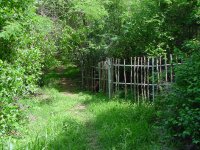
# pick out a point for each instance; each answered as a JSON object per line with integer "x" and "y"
{"x": 68, "y": 80}
{"x": 125, "y": 127}
{"x": 64, "y": 79}
{"x": 70, "y": 135}
{"x": 117, "y": 126}
{"x": 73, "y": 136}
{"x": 70, "y": 71}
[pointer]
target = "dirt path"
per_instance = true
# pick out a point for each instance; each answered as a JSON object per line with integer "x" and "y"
{"x": 68, "y": 87}
{"x": 80, "y": 110}
{"x": 92, "y": 137}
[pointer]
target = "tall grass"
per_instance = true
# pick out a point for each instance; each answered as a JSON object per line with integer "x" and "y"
{"x": 55, "y": 124}
{"x": 123, "y": 125}
{"x": 83, "y": 121}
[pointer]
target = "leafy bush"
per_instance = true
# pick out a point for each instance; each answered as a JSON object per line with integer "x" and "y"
{"x": 27, "y": 47}
{"x": 10, "y": 116}
{"x": 11, "y": 80}
{"x": 30, "y": 61}
{"x": 20, "y": 78}
{"x": 182, "y": 104}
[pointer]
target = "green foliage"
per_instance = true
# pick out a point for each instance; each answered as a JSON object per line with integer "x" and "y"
{"x": 10, "y": 117}
{"x": 187, "y": 79}
{"x": 181, "y": 105}
{"x": 92, "y": 9}
{"x": 11, "y": 80}
{"x": 191, "y": 46}
{"x": 34, "y": 35}
{"x": 27, "y": 48}
{"x": 32, "y": 67}
{"x": 121, "y": 28}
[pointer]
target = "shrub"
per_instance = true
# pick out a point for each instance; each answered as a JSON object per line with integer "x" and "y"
{"x": 182, "y": 104}
{"x": 11, "y": 80}
{"x": 27, "y": 47}
{"x": 9, "y": 118}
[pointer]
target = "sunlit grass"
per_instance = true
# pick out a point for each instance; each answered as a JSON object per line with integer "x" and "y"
{"x": 122, "y": 125}
{"x": 55, "y": 124}
{"x": 84, "y": 121}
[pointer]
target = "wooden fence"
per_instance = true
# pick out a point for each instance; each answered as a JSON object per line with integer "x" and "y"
{"x": 138, "y": 77}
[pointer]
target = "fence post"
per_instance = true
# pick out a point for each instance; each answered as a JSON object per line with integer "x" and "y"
{"x": 153, "y": 82}
{"x": 99, "y": 71}
{"x": 82, "y": 75}
{"x": 110, "y": 77}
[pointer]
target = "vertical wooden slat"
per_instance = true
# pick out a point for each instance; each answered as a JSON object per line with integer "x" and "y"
{"x": 87, "y": 79}
{"x": 148, "y": 92}
{"x": 176, "y": 60}
{"x": 166, "y": 71}
{"x": 110, "y": 77}
{"x": 106, "y": 81}
{"x": 141, "y": 80}
{"x": 102, "y": 76}
{"x": 99, "y": 70}
{"x": 92, "y": 79}
{"x": 138, "y": 67}
{"x": 153, "y": 82}
{"x": 105, "y": 70}
{"x": 161, "y": 76}
{"x": 171, "y": 70}
{"x": 131, "y": 77}
{"x": 125, "y": 86}
{"x": 118, "y": 73}
{"x": 135, "y": 63}
{"x": 158, "y": 73}
{"x": 105, "y": 77}
{"x": 145, "y": 77}
{"x": 82, "y": 74}
{"x": 115, "y": 75}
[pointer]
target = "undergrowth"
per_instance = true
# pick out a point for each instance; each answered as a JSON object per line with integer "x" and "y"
{"x": 58, "y": 119}
{"x": 53, "y": 122}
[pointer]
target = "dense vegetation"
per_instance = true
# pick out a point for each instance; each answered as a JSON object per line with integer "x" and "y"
{"x": 37, "y": 36}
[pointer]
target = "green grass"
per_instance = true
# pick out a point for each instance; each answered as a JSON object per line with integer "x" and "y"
{"x": 55, "y": 123}
{"x": 83, "y": 121}
{"x": 124, "y": 126}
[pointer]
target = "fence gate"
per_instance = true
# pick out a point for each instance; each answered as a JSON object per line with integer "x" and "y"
{"x": 137, "y": 78}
